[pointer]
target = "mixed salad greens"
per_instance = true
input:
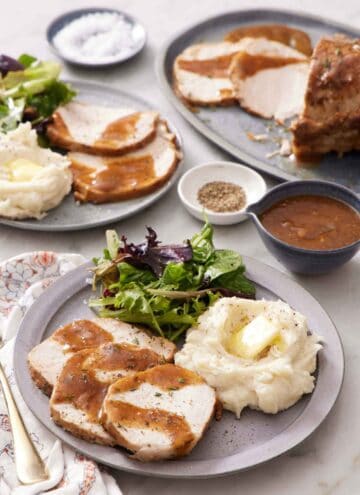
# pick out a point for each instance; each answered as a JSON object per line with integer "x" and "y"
{"x": 166, "y": 287}
{"x": 30, "y": 91}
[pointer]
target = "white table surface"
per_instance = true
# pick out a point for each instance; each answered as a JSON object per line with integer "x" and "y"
{"x": 329, "y": 462}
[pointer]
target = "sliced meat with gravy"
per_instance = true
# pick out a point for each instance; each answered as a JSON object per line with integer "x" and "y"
{"x": 80, "y": 388}
{"x": 160, "y": 413}
{"x": 201, "y": 73}
{"x": 101, "y": 130}
{"x": 101, "y": 179}
{"x": 270, "y": 81}
{"x": 47, "y": 359}
{"x": 295, "y": 38}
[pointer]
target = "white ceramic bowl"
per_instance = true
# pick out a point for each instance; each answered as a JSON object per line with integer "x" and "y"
{"x": 190, "y": 183}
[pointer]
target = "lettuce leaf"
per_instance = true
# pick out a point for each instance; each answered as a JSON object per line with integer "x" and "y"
{"x": 222, "y": 261}
{"x": 30, "y": 91}
{"x": 11, "y": 112}
{"x": 166, "y": 287}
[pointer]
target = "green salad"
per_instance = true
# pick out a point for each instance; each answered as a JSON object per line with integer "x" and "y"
{"x": 30, "y": 91}
{"x": 166, "y": 287}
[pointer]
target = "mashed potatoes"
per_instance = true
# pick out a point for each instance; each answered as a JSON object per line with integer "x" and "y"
{"x": 32, "y": 179}
{"x": 254, "y": 353}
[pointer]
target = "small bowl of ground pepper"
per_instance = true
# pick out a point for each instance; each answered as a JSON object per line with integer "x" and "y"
{"x": 221, "y": 190}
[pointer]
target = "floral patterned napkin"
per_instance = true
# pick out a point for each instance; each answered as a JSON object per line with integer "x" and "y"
{"x": 22, "y": 280}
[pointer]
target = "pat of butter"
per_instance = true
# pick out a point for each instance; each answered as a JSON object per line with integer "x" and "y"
{"x": 254, "y": 337}
{"x": 23, "y": 170}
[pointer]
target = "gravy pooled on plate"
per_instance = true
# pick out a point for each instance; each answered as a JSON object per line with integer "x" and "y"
{"x": 313, "y": 222}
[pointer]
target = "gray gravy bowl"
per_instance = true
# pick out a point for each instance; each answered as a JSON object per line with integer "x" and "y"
{"x": 295, "y": 259}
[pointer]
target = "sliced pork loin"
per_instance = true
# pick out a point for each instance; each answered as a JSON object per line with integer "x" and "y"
{"x": 47, "y": 359}
{"x": 101, "y": 130}
{"x": 80, "y": 388}
{"x": 201, "y": 73}
{"x": 160, "y": 413}
{"x": 270, "y": 79}
{"x": 101, "y": 179}
{"x": 224, "y": 72}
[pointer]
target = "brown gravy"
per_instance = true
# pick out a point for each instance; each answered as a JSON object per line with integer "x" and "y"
{"x": 119, "y": 130}
{"x": 79, "y": 386}
{"x": 120, "y": 175}
{"x": 175, "y": 426}
{"x": 78, "y": 382}
{"x": 276, "y": 32}
{"x": 167, "y": 377}
{"x": 251, "y": 64}
{"x": 81, "y": 334}
{"x": 248, "y": 65}
{"x": 110, "y": 357}
{"x": 214, "y": 67}
{"x": 124, "y": 173}
{"x": 313, "y": 222}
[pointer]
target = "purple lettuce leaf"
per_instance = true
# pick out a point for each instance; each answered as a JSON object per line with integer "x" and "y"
{"x": 150, "y": 253}
{"x": 8, "y": 64}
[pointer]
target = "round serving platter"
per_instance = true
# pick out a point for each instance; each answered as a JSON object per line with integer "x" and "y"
{"x": 227, "y": 127}
{"x": 70, "y": 215}
{"x": 230, "y": 445}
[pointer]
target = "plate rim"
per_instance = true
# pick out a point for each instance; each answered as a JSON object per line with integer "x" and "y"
{"x": 300, "y": 429}
{"x": 211, "y": 135}
{"x": 148, "y": 200}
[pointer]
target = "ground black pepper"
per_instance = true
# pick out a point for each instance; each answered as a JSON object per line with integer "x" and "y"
{"x": 222, "y": 197}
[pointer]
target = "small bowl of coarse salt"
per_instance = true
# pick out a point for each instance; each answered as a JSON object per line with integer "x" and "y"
{"x": 221, "y": 191}
{"x": 96, "y": 37}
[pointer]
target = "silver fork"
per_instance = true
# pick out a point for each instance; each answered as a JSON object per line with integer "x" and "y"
{"x": 29, "y": 465}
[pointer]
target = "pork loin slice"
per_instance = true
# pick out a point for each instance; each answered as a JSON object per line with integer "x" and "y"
{"x": 270, "y": 81}
{"x": 331, "y": 114}
{"x": 101, "y": 179}
{"x": 201, "y": 73}
{"x": 80, "y": 388}
{"x": 287, "y": 35}
{"x": 47, "y": 359}
{"x": 101, "y": 130}
{"x": 160, "y": 413}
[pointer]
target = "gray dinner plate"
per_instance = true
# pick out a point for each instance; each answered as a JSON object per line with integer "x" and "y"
{"x": 229, "y": 445}
{"x": 70, "y": 215}
{"x": 228, "y": 126}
